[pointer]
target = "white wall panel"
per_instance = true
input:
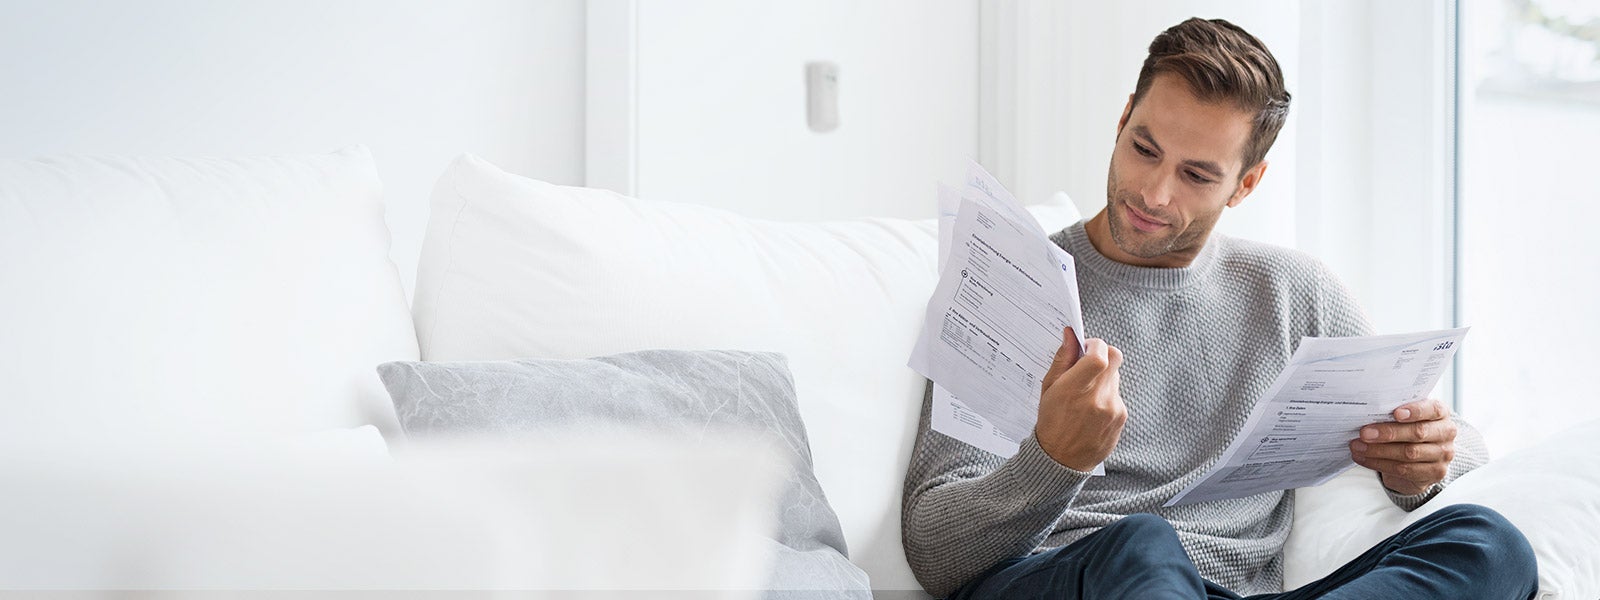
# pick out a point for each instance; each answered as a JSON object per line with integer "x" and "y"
{"x": 721, "y": 108}
{"x": 417, "y": 81}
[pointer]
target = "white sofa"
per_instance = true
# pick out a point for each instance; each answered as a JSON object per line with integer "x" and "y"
{"x": 198, "y": 300}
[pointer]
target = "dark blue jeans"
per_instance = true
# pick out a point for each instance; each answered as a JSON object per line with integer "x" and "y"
{"x": 1461, "y": 551}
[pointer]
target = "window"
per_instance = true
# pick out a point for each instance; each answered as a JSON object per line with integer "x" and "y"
{"x": 1529, "y": 210}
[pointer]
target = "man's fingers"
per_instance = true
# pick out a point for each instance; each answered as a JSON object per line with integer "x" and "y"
{"x": 1425, "y": 431}
{"x": 1404, "y": 452}
{"x": 1086, "y": 373}
{"x": 1066, "y": 356}
{"x": 1098, "y": 356}
{"x": 1423, "y": 474}
{"x": 1431, "y": 409}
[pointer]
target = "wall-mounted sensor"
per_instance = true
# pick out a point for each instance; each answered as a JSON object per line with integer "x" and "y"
{"x": 822, "y": 96}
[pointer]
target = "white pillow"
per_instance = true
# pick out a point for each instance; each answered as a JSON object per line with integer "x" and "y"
{"x": 513, "y": 267}
{"x": 1550, "y": 491}
{"x": 157, "y": 296}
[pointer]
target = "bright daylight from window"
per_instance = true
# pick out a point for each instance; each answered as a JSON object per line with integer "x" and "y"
{"x": 1530, "y": 264}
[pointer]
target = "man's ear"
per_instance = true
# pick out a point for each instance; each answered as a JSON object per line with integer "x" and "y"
{"x": 1127, "y": 109}
{"x": 1248, "y": 183}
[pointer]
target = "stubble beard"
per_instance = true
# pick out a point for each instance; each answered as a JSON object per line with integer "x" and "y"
{"x": 1123, "y": 234}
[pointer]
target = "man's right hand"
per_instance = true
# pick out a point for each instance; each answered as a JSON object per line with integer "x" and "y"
{"x": 1080, "y": 405}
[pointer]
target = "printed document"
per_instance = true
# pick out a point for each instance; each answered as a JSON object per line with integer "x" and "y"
{"x": 1299, "y": 433}
{"x": 995, "y": 320}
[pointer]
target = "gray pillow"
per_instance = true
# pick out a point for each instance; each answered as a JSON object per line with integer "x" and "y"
{"x": 689, "y": 392}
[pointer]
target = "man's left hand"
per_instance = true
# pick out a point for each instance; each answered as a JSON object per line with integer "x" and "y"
{"x": 1413, "y": 452}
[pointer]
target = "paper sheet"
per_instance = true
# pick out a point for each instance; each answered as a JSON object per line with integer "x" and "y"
{"x": 1298, "y": 435}
{"x": 994, "y": 322}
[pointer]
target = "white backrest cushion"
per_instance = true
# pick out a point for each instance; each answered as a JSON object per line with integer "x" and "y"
{"x": 167, "y": 295}
{"x": 518, "y": 268}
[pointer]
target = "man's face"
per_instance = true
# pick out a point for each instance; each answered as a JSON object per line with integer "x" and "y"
{"x": 1175, "y": 167}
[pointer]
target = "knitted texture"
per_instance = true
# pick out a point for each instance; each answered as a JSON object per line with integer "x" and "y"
{"x": 1201, "y": 344}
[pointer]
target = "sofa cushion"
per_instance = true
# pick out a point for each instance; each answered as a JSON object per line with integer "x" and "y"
{"x": 682, "y": 394}
{"x": 154, "y": 296}
{"x": 1550, "y": 491}
{"x": 512, "y": 268}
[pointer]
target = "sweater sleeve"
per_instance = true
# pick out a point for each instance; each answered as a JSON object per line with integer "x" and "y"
{"x": 1339, "y": 315}
{"x": 963, "y": 510}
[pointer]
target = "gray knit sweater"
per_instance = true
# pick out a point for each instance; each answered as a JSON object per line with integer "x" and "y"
{"x": 1201, "y": 344}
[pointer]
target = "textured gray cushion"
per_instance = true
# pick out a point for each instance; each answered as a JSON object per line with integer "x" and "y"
{"x": 687, "y": 392}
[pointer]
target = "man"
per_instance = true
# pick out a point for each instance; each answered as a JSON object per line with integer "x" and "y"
{"x": 1192, "y": 327}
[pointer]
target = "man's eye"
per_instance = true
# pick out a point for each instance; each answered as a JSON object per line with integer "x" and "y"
{"x": 1143, "y": 151}
{"x": 1198, "y": 178}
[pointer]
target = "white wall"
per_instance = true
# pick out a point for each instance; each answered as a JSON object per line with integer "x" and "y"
{"x": 721, "y": 108}
{"x": 417, "y": 81}
{"x": 1334, "y": 99}
{"x": 1375, "y": 180}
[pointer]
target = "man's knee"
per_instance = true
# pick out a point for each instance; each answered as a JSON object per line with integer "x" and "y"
{"x": 1492, "y": 539}
{"x": 1142, "y": 526}
{"x": 1142, "y": 536}
{"x": 1145, "y": 559}
{"x": 1483, "y": 524}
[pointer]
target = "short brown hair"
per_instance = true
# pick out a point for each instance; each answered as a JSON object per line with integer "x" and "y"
{"x": 1223, "y": 62}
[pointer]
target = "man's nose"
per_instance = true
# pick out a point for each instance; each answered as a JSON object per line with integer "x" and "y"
{"x": 1158, "y": 190}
